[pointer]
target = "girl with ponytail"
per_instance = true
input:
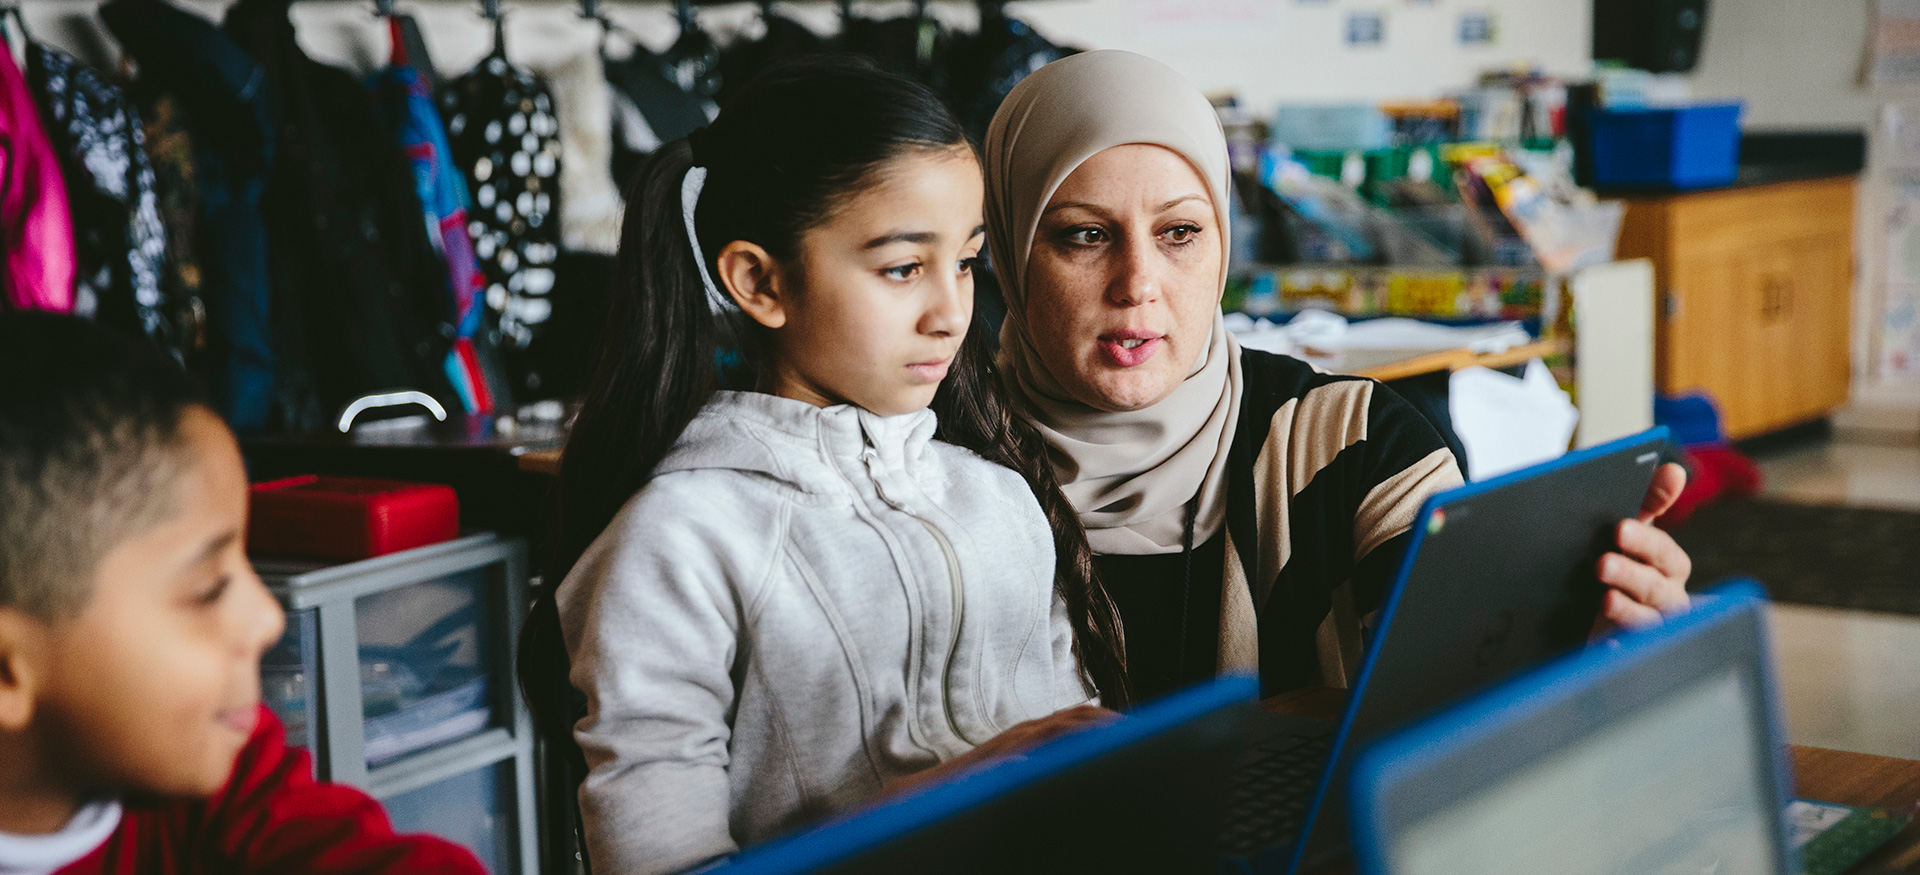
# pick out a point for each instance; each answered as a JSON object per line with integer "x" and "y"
{"x": 782, "y": 602}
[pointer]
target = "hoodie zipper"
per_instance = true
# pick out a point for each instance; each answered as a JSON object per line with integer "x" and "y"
{"x": 872, "y": 459}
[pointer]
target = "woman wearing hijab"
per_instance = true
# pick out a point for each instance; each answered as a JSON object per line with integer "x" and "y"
{"x": 1244, "y": 507}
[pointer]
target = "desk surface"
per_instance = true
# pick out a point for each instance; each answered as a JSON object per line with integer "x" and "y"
{"x": 1378, "y": 364}
{"x": 1819, "y": 774}
{"x": 1388, "y": 364}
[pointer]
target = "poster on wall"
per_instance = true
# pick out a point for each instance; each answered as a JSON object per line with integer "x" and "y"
{"x": 1898, "y": 147}
{"x": 1893, "y": 44}
{"x": 1899, "y": 339}
{"x": 1477, "y": 29}
{"x": 1366, "y": 28}
{"x": 1899, "y": 333}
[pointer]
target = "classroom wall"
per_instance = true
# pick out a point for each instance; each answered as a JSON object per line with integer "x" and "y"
{"x": 1292, "y": 50}
{"x": 1795, "y": 63}
{"x": 1264, "y": 50}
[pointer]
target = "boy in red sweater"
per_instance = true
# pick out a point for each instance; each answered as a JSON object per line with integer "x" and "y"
{"x": 132, "y": 738}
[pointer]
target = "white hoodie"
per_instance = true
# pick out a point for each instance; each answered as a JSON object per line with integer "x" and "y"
{"x": 802, "y": 604}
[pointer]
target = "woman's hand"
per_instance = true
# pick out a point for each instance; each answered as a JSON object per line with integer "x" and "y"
{"x": 1647, "y": 577}
{"x": 1017, "y": 740}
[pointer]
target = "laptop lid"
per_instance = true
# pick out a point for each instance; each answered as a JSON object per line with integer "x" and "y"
{"x": 1498, "y": 577}
{"x": 1146, "y": 793}
{"x": 1661, "y": 753}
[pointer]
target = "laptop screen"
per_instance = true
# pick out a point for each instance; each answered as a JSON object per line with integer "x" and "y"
{"x": 1142, "y": 794}
{"x": 1671, "y": 787}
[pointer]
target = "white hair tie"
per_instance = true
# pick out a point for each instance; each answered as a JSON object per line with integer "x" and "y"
{"x": 717, "y": 301}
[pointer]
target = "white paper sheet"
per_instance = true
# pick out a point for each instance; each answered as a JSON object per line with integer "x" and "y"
{"x": 1900, "y": 333}
{"x": 1326, "y": 332}
{"x": 1507, "y": 423}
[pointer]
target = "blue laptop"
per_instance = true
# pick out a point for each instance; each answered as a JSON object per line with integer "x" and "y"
{"x": 1144, "y": 794}
{"x": 1660, "y": 754}
{"x": 1498, "y": 578}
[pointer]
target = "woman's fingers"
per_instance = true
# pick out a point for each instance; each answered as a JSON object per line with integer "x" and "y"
{"x": 1622, "y": 611}
{"x": 1650, "y": 571}
{"x": 1642, "y": 583}
{"x": 1668, "y": 481}
{"x": 1653, "y": 547}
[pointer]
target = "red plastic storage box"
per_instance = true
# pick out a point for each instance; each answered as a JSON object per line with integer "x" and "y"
{"x": 325, "y": 517}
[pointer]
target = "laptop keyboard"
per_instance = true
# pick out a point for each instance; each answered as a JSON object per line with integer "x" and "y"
{"x": 1273, "y": 785}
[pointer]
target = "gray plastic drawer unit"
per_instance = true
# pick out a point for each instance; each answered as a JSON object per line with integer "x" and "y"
{"x": 396, "y": 674}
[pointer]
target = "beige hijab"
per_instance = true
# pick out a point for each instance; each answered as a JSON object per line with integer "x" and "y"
{"x": 1133, "y": 475}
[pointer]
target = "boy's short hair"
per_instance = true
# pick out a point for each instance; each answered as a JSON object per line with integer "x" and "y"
{"x": 89, "y": 447}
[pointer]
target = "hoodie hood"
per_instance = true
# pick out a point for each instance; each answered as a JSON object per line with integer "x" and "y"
{"x": 807, "y": 447}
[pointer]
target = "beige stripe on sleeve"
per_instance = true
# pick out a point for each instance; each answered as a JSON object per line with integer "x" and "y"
{"x": 1390, "y": 507}
{"x": 1308, "y": 433}
{"x": 1239, "y": 627}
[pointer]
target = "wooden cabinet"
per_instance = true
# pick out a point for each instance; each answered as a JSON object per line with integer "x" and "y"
{"x": 1755, "y": 290}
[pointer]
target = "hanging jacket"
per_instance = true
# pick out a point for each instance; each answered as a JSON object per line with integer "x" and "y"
{"x": 120, "y": 247}
{"x": 255, "y": 354}
{"x": 413, "y": 46}
{"x": 803, "y": 604}
{"x": 176, "y": 197}
{"x": 785, "y": 40}
{"x": 989, "y": 63}
{"x": 506, "y": 142}
{"x": 36, "y": 231}
{"x": 585, "y": 281}
{"x": 407, "y": 105}
{"x": 693, "y": 61}
{"x": 583, "y": 105}
{"x": 351, "y": 253}
{"x": 910, "y": 46}
{"x": 650, "y": 108}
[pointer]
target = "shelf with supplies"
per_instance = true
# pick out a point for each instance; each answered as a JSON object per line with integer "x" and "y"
{"x": 397, "y": 674}
{"x": 1593, "y": 325}
{"x": 1446, "y": 294}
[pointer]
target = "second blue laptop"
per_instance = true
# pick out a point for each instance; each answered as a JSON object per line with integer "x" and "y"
{"x": 1660, "y": 754}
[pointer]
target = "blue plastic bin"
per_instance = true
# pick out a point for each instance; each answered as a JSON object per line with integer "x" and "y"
{"x": 1678, "y": 147}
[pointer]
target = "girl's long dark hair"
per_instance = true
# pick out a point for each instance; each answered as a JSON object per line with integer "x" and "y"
{"x": 773, "y": 174}
{"x": 973, "y": 413}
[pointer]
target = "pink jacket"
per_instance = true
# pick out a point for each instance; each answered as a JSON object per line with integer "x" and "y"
{"x": 36, "y": 232}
